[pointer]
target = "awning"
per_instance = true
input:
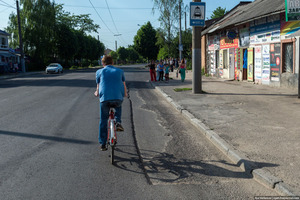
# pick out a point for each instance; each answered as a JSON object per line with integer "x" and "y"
{"x": 7, "y": 54}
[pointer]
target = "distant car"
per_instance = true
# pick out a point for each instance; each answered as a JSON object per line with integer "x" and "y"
{"x": 54, "y": 68}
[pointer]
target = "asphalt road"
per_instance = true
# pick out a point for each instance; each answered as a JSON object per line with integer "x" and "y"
{"x": 49, "y": 150}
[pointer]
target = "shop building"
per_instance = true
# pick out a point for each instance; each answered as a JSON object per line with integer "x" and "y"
{"x": 254, "y": 43}
{"x": 8, "y": 56}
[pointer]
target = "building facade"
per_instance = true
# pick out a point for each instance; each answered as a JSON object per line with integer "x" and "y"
{"x": 253, "y": 42}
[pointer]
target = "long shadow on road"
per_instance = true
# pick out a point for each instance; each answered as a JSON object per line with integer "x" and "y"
{"x": 45, "y": 137}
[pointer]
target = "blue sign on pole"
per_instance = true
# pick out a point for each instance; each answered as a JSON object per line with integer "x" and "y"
{"x": 197, "y": 13}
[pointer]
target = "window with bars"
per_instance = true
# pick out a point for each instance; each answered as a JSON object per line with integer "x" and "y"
{"x": 288, "y": 58}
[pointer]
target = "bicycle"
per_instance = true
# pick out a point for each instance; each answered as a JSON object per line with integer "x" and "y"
{"x": 112, "y": 132}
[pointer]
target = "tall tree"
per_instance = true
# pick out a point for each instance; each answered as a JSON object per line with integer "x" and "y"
{"x": 145, "y": 42}
{"x": 218, "y": 12}
{"x": 168, "y": 15}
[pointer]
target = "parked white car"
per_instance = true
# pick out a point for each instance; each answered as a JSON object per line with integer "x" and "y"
{"x": 54, "y": 68}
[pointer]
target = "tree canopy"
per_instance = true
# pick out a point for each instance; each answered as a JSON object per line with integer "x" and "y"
{"x": 218, "y": 12}
{"x": 51, "y": 34}
{"x": 145, "y": 42}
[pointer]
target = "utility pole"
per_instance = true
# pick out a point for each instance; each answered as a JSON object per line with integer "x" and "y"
{"x": 299, "y": 82}
{"x": 180, "y": 42}
{"x": 20, "y": 39}
{"x": 185, "y": 20}
{"x": 196, "y": 58}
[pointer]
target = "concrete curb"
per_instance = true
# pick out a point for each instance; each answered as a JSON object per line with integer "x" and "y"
{"x": 262, "y": 176}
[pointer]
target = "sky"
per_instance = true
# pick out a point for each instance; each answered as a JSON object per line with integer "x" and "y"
{"x": 119, "y": 20}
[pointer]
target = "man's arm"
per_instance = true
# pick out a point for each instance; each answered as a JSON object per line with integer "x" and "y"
{"x": 125, "y": 89}
{"x": 97, "y": 91}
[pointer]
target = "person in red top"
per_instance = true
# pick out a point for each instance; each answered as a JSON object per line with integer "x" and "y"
{"x": 152, "y": 71}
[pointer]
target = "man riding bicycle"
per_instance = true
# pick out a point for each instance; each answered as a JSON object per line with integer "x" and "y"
{"x": 111, "y": 89}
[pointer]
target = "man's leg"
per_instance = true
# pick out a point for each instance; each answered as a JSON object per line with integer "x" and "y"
{"x": 104, "y": 109}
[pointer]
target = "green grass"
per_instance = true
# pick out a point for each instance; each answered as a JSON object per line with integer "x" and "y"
{"x": 182, "y": 89}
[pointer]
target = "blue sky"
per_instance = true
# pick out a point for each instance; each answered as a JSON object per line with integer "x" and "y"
{"x": 122, "y": 17}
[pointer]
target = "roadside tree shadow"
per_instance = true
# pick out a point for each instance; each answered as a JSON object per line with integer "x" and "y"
{"x": 45, "y": 137}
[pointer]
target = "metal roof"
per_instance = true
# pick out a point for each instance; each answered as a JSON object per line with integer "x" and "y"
{"x": 248, "y": 12}
{"x": 4, "y": 33}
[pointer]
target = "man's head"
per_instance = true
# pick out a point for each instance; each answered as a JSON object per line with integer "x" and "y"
{"x": 107, "y": 60}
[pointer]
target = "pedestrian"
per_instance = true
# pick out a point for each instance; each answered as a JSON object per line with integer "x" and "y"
{"x": 152, "y": 70}
{"x": 161, "y": 71}
{"x": 111, "y": 89}
{"x": 182, "y": 68}
{"x": 171, "y": 64}
{"x": 157, "y": 71}
{"x": 16, "y": 68}
{"x": 167, "y": 67}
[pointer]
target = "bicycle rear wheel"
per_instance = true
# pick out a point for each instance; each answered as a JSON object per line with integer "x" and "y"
{"x": 112, "y": 154}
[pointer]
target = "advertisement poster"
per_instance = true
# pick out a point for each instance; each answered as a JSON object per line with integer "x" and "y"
{"x": 221, "y": 63}
{"x": 211, "y": 55}
{"x": 266, "y": 64}
{"x": 258, "y": 65}
{"x": 275, "y": 61}
{"x": 244, "y": 37}
{"x": 250, "y": 65}
{"x": 239, "y": 58}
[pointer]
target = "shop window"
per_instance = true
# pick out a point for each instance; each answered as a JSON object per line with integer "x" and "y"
{"x": 288, "y": 58}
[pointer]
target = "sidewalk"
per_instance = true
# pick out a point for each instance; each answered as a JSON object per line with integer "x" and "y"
{"x": 256, "y": 126}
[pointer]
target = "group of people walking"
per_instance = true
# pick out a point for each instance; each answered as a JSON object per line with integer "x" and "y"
{"x": 159, "y": 70}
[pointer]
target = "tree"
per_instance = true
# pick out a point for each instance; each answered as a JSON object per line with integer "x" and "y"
{"x": 50, "y": 33}
{"x": 218, "y": 12}
{"x": 122, "y": 53}
{"x": 145, "y": 42}
{"x": 169, "y": 14}
{"x": 133, "y": 55}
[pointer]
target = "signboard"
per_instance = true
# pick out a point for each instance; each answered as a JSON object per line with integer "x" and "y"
{"x": 292, "y": 10}
{"x": 275, "y": 61}
{"x": 197, "y": 13}
{"x": 265, "y": 30}
{"x": 266, "y": 65}
{"x": 250, "y": 65}
{"x": 226, "y": 43}
{"x": 258, "y": 64}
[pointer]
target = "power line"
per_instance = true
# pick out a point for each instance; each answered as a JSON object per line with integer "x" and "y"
{"x": 6, "y": 4}
{"x": 110, "y": 8}
{"x": 101, "y": 17}
{"x": 111, "y": 16}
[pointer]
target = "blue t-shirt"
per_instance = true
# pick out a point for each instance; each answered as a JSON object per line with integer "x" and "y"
{"x": 110, "y": 80}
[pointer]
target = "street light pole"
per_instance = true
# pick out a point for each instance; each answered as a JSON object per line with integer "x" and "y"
{"x": 196, "y": 58}
{"x": 20, "y": 39}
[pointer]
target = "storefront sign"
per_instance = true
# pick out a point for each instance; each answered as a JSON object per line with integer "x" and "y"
{"x": 265, "y": 31}
{"x": 292, "y": 10}
{"x": 226, "y": 43}
{"x": 231, "y": 35}
{"x": 250, "y": 64}
{"x": 275, "y": 61}
{"x": 266, "y": 65}
{"x": 287, "y": 28}
{"x": 258, "y": 64}
{"x": 244, "y": 37}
